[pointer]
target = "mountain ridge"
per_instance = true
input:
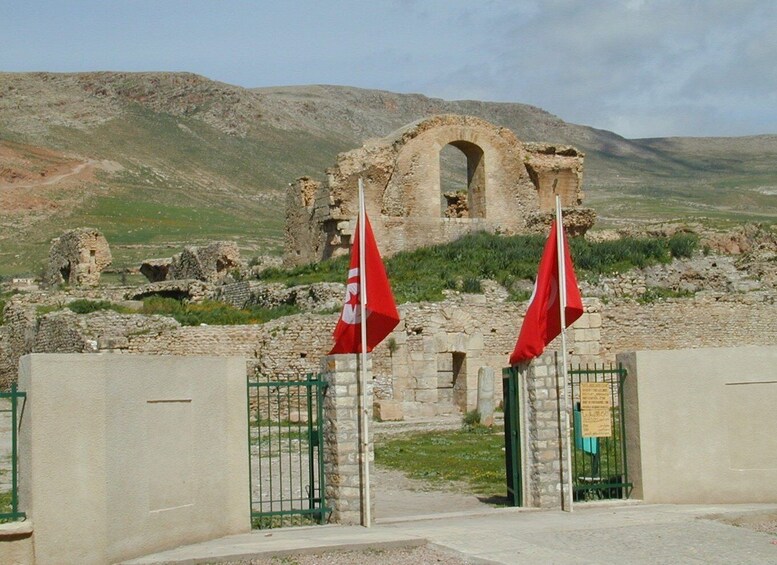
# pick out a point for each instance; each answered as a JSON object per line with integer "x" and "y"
{"x": 177, "y": 158}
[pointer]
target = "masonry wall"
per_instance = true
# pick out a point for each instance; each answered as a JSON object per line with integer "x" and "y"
{"x": 709, "y": 320}
{"x": 429, "y": 365}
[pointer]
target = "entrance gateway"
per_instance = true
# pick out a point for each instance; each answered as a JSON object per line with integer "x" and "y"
{"x": 597, "y": 435}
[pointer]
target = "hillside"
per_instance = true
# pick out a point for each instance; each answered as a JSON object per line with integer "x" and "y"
{"x": 156, "y": 160}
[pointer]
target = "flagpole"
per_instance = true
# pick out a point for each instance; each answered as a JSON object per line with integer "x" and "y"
{"x": 365, "y": 464}
{"x": 564, "y": 374}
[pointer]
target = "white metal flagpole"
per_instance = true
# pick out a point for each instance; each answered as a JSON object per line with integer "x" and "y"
{"x": 562, "y": 290}
{"x": 365, "y": 464}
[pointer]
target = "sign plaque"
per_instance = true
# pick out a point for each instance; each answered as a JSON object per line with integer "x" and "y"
{"x": 595, "y": 408}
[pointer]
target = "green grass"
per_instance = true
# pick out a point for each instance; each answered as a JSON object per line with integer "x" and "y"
{"x": 211, "y": 312}
{"x": 423, "y": 274}
{"x": 208, "y": 312}
{"x": 474, "y": 456}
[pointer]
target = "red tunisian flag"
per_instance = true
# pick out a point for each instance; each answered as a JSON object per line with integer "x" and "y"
{"x": 542, "y": 322}
{"x": 382, "y": 315}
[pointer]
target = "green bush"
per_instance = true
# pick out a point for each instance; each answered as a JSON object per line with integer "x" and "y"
{"x": 423, "y": 274}
{"x": 211, "y": 312}
{"x": 84, "y": 306}
{"x": 682, "y": 245}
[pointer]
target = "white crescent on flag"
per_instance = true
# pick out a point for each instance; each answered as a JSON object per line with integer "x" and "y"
{"x": 351, "y": 311}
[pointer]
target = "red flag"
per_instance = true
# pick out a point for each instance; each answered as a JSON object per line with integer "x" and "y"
{"x": 382, "y": 315}
{"x": 542, "y": 322}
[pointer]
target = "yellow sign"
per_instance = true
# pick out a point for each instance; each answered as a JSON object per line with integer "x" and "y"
{"x": 595, "y": 408}
{"x": 595, "y": 396}
{"x": 596, "y": 423}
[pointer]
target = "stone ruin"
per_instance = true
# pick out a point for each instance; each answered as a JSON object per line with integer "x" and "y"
{"x": 510, "y": 188}
{"x": 209, "y": 263}
{"x": 77, "y": 258}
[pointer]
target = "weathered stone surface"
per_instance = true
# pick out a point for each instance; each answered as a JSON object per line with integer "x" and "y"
{"x": 507, "y": 181}
{"x": 77, "y": 258}
{"x": 185, "y": 289}
{"x": 206, "y": 263}
{"x": 156, "y": 270}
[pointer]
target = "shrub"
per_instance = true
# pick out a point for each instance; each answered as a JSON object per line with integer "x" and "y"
{"x": 84, "y": 306}
{"x": 422, "y": 274}
{"x": 682, "y": 245}
{"x": 212, "y": 312}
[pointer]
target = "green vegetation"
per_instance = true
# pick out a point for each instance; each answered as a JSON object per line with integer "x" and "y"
{"x": 211, "y": 312}
{"x": 5, "y": 503}
{"x": 423, "y": 274}
{"x": 656, "y": 293}
{"x": 473, "y": 455}
{"x": 84, "y": 306}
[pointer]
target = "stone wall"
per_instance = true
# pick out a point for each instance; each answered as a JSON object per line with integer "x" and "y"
{"x": 708, "y": 320}
{"x": 508, "y": 185}
{"x": 428, "y": 366}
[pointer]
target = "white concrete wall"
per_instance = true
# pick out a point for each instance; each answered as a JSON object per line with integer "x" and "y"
{"x": 701, "y": 424}
{"x": 123, "y": 455}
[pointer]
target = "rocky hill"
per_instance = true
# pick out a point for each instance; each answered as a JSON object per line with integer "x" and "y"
{"x": 155, "y": 160}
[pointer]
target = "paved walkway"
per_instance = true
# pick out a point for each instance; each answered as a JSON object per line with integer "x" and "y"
{"x": 624, "y": 533}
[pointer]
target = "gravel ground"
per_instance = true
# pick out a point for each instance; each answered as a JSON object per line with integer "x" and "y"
{"x": 422, "y": 555}
{"x": 758, "y": 521}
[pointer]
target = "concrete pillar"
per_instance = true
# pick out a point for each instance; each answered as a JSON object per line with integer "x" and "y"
{"x": 345, "y": 483}
{"x": 486, "y": 395}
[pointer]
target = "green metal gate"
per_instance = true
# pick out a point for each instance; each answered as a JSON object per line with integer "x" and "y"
{"x": 9, "y": 492}
{"x": 285, "y": 436}
{"x": 598, "y": 460}
{"x": 511, "y": 404}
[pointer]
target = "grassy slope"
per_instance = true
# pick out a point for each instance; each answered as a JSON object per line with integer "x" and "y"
{"x": 185, "y": 181}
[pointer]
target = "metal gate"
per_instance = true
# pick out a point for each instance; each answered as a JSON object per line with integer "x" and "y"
{"x": 285, "y": 437}
{"x": 511, "y": 400}
{"x": 598, "y": 433}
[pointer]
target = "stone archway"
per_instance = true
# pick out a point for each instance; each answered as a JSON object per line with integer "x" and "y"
{"x": 468, "y": 200}
{"x": 509, "y": 184}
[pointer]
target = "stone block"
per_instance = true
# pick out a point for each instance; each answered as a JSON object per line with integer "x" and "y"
{"x": 444, "y": 379}
{"x": 444, "y": 362}
{"x": 388, "y": 410}
{"x": 459, "y": 342}
{"x": 426, "y": 396}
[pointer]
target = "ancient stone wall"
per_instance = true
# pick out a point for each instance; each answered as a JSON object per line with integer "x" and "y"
{"x": 429, "y": 365}
{"x": 209, "y": 263}
{"x": 708, "y": 320}
{"x": 510, "y": 188}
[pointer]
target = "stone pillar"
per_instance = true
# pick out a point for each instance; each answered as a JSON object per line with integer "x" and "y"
{"x": 544, "y": 406}
{"x": 486, "y": 395}
{"x": 342, "y": 433}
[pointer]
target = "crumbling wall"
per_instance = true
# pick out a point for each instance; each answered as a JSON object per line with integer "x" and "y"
{"x": 77, "y": 258}
{"x": 428, "y": 366}
{"x": 508, "y": 184}
{"x": 207, "y": 263}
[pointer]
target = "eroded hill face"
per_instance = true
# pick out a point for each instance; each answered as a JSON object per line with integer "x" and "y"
{"x": 158, "y": 160}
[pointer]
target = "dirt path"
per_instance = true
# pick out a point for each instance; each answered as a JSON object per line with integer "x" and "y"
{"x": 398, "y": 496}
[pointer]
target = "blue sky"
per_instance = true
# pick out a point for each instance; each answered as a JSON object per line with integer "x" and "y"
{"x": 640, "y": 68}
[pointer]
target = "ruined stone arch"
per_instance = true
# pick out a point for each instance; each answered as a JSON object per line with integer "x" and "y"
{"x": 509, "y": 184}
{"x": 474, "y": 203}
{"x": 496, "y": 171}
